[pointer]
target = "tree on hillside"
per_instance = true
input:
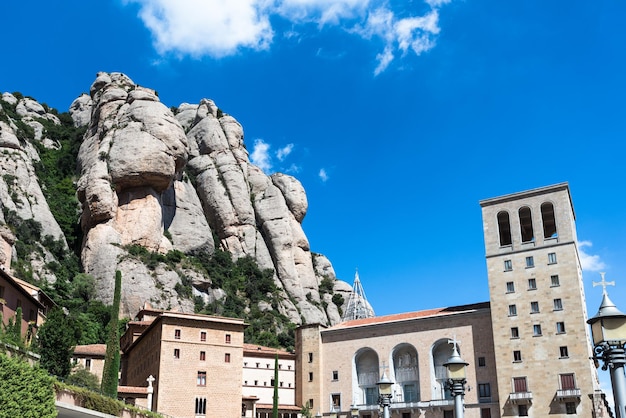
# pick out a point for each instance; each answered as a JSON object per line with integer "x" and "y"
{"x": 57, "y": 338}
{"x": 110, "y": 373}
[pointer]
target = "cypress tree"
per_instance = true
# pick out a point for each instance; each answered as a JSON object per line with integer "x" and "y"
{"x": 110, "y": 373}
{"x": 275, "y": 405}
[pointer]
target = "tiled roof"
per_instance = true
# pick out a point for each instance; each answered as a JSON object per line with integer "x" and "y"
{"x": 406, "y": 316}
{"x": 281, "y": 407}
{"x": 259, "y": 349}
{"x": 91, "y": 350}
{"x": 132, "y": 390}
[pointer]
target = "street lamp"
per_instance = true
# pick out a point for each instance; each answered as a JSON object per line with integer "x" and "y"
{"x": 456, "y": 378}
{"x": 608, "y": 331}
{"x": 384, "y": 394}
{"x": 354, "y": 411}
{"x": 333, "y": 412}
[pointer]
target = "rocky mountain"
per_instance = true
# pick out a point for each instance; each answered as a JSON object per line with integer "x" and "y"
{"x": 158, "y": 189}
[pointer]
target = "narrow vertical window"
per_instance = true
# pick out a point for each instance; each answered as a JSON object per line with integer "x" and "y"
{"x": 504, "y": 228}
{"x": 201, "y": 379}
{"x": 558, "y": 304}
{"x": 547, "y": 218}
{"x": 176, "y": 353}
{"x": 203, "y": 356}
{"x": 481, "y": 362}
{"x": 310, "y": 376}
{"x": 526, "y": 224}
{"x": 508, "y": 265}
{"x": 227, "y": 339}
{"x": 310, "y": 357}
{"x": 177, "y": 334}
{"x": 203, "y": 336}
{"x": 335, "y": 374}
{"x": 551, "y": 258}
{"x": 227, "y": 358}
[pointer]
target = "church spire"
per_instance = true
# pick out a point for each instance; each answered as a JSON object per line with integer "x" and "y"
{"x": 358, "y": 307}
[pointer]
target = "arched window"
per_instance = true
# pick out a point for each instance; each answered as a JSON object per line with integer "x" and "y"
{"x": 406, "y": 372}
{"x": 504, "y": 228}
{"x": 547, "y": 218}
{"x": 526, "y": 224}
{"x": 367, "y": 371}
{"x": 441, "y": 352}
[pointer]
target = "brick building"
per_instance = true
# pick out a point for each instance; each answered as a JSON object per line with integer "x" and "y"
{"x": 528, "y": 348}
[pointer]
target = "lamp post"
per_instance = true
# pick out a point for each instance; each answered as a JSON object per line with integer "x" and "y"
{"x": 608, "y": 331}
{"x": 456, "y": 378}
{"x": 333, "y": 412}
{"x": 354, "y": 411}
{"x": 384, "y": 394}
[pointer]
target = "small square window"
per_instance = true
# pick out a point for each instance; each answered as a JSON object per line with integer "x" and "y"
{"x": 335, "y": 375}
{"x": 514, "y": 332}
{"x": 563, "y": 353}
{"x": 560, "y": 327}
{"x": 552, "y": 258}
{"x": 508, "y": 265}
{"x": 532, "y": 284}
{"x": 512, "y": 310}
{"x": 554, "y": 280}
{"x": 481, "y": 362}
{"x": 536, "y": 330}
{"x": 517, "y": 356}
{"x": 534, "y": 307}
{"x": 558, "y": 305}
{"x": 510, "y": 287}
{"x": 176, "y": 353}
{"x": 530, "y": 262}
{"x": 203, "y": 356}
{"x": 226, "y": 357}
{"x": 177, "y": 334}
{"x": 203, "y": 336}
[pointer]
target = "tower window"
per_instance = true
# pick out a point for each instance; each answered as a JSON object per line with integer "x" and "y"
{"x": 512, "y": 310}
{"x": 335, "y": 374}
{"x": 551, "y": 258}
{"x": 176, "y": 353}
{"x": 526, "y": 224}
{"x": 514, "y": 332}
{"x": 504, "y": 228}
{"x": 310, "y": 376}
{"x": 177, "y": 334}
{"x": 200, "y": 406}
{"x": 534, "y": 307}
{"x": 547, "y": 218}
{"x": 481, "y": 362}
{"x": 554, "y": 280}
{"x": 202, "y": 336}
{"x": 563, "y": 352}
{"x": 532, "y": 284}
{"x": 510, "y": 287}
{"x": 508, "y": 265}
{"x": 530, "y": 262}
{"x": 558, "y": 305}
{"x": 537, "y": 330}
{"x": 310, "y": 357}
{"x": 517, "y": 356}
{"x": 201, "y": 380}
{"x": 560, "y": 327}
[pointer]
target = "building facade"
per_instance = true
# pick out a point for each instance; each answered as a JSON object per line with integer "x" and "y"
{"x": 528, "y": 348}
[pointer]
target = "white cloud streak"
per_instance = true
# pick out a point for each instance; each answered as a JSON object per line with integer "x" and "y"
{"x": 284, "y": 152}
{"x": 323, "y": 175}
{"x": 261, "y": 156}
{"x": 589, "y": 262}
{"x": 217, "y": 28}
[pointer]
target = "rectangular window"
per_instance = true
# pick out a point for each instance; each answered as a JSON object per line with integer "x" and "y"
{"x": 522, "y": 410}
{"x": 514, "y": 332}
{"x": 201, "y": 380}
{"x": 570, "y": 408}
{"x": 563, "y": 353}
{"x": 336, "y": 401}
{"x": 200, "y": 406}
{"x": 176, "y": 353}
{"x": 508, "y": 265}
{"x": 554, "y": 280}
{"x": 32, "y": 315}
{"x": 534, "y": 307}
{"x": 481, "y": 362}
{"x": 310, "y": 357}
{"x": 310, "y": 376}
{"x": 410, "y": 392}
{"x": 512, "y": 310}
{"x": 536, "y": 330}
{"x": 203, "y": 356}
{"x": 517, "y": 356}
{"x": 510, "y": 287}
{"x": 203, "y": 336}
{"x": 485, "y": 413}
{"x": 552, "y": 258}
{"x": 530, "y": 262}
{"x": 519, "y": 385}
{"x": 560, "y": 327}
{"x": 177, "y": 334}
{"x": 88, "y": 363}
{"x": 558, "y": 305}
{"x": 532, "y": 284}
{"x": 310, "y": 404}
{"x": 226, "y": 357}
{"x": 227, "y": 338}
{"x": 568, "y": 381}
{"x": 484, "y": 390}
{"x": 335, "y": 374}
{"x": 371, "y": 396}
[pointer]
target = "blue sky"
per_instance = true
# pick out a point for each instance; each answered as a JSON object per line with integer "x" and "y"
{"x": 397, "y": 116}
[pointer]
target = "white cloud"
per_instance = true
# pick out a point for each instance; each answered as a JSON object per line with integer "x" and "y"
{"x": 323, "y": 175}
{"x": 260, "y": 155}
{"x": 282, "y": 153}
{"x": 589, "y": 262}
{"x": 218, "y": 28}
